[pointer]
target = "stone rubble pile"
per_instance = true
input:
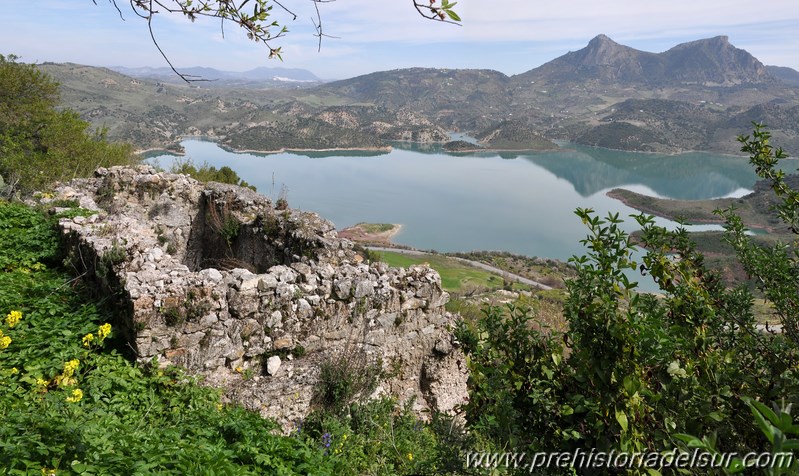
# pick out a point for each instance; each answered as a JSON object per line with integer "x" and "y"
{"x": 257, "y": 297}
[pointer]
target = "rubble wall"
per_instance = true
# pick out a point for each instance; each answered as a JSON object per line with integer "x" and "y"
{"x": 214, "y": 278}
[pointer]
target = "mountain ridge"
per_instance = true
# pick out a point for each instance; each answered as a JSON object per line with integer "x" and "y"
{"x": 208, "y": 76}
{"x": 695, "y": 96}
{"x": 710, "y": 60}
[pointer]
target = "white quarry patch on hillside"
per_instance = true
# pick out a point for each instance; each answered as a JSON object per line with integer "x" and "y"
{"x": 291, "y": 80}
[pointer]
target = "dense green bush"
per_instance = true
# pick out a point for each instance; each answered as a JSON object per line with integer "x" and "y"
{"x": 209, "y": 173}
{"x": 40, "y": 144}
{"x": 377, "y": 437}
{"x": 634, "y": 371}
{"x": 71, "y": 404}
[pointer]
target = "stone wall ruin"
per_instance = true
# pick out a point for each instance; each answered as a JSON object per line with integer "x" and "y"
{"x": 214, "y": 278}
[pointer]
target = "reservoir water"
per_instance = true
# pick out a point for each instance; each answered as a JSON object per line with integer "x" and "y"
{"x": 518, "y": 202}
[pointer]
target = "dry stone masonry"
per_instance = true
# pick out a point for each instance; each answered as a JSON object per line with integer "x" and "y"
{"x": 255, "y": 297}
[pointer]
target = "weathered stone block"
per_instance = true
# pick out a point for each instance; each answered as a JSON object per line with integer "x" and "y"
{"x": 273, "y": 365}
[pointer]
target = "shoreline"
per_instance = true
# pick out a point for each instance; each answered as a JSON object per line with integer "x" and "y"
{"x": 616, "y": 194}
{"x": 359, "y": 234}
{"x": 218, "y": 141}
{"x": 284, "y": 150}
{"x": 666, "y": 154}
{"x": 565, "y": 146}
{"x": 160, "y": 151}
{"x": 750, "y": 220}
{"x": 472, "y": 151}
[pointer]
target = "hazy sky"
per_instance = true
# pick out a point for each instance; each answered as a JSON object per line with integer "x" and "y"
{"x": 511, "y": 36}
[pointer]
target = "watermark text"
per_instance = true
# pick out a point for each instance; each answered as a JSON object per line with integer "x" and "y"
{"x": 584, "y": 459}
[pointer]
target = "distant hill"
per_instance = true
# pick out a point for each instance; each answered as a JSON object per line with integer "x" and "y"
{"x": 261, "y": 76}
{"x": 712, "y": 61}
{"x": 514, "y": 135}
{"x": 452, "y": 98}
{"x": 695, "y": 96}
{"x": 685, "y": 96}
{"x": 151, "y": 113}
{"x": 786, "y": 75}
{"x": 618, "y": 97}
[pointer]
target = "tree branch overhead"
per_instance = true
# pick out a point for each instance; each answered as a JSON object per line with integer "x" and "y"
{"x": 256, "y": 17}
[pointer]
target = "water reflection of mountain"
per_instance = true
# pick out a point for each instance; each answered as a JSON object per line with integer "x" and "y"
{"x": 321, "y": 154}
{"x": 423, "y": 147}
{"x": 690, "y": 176}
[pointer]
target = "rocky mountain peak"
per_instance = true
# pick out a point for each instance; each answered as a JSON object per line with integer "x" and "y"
{"x": 713, "y": 60}
{"x": 603, "y": 51}
{"x": 707, "y": 61}
{"x": 601, "y": 40}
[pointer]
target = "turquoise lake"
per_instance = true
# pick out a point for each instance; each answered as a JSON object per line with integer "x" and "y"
{"x": 518, "y": 202}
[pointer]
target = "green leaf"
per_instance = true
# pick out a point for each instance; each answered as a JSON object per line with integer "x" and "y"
{"x": 669, "y": 424}
{"x": 790, "y": 445}
{"x": 716, "y": 416}
{"x": 766, "y": 411}
{"x": 622, "y": 419}
{"x": 79, "y": 467}
{"x": 547, "y": 371}
{"x": 454, "y": 16}
{"x": 630, "y": 385}
{"x": 736, "y": 466}
{"x": 690, "y": 440}
{"x": 765, "y": 426}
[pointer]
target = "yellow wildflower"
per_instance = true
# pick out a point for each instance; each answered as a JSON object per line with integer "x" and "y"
{"x": 87, "y": 339}
{"x": 13, "y": 318}
{"x": 103, "y": 331}
{"x": 66, "y": 379}
{"x": 14, "y": 371}
{"x": 70, "y": 367}
{"x": 410, "y": 456}
{"x": 48, "y": 472}
{"x": 4, "y": 341}
{"x": 41, "y": 385}
{"x": 76, "y": 396}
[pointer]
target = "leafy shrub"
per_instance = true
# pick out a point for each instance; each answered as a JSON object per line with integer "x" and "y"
{"x": 40, "y": 145}
{"x": 209, "y": 173}
{"x": 71, "y": 404}
{"x": 26, "y": 237}
{"x": 633, "y": 370}
{"x": 345, "y": 377}
{"x": 377, "y": 437}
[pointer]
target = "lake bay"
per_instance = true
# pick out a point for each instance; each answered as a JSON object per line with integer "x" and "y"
{"x": 517, "y": 202}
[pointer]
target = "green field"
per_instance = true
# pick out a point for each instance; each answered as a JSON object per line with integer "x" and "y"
{"x": 456, "y": 277}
